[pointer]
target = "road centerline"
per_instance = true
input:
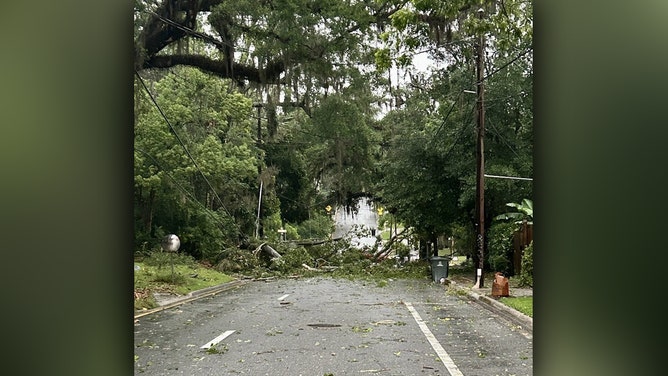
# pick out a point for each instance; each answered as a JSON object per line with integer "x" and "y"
{"x": 440, "y": 351}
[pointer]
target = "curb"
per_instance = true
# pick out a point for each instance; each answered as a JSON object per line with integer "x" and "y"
{"x": 525, "y": 321}
{"x": 193, "y": 295}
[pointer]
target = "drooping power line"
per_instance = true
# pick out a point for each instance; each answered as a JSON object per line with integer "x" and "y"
{"x": 184, "y": 147}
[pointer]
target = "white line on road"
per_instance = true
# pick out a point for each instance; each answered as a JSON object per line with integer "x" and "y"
{"x": 215, "y": 341}
{"x": 284, "y": 296}
{"x": 440, "y": 351}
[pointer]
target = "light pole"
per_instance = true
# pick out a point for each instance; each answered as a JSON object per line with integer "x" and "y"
{"x": 171, "y": 244}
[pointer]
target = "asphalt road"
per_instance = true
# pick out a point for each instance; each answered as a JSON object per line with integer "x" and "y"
{"x": 323, "y": 326}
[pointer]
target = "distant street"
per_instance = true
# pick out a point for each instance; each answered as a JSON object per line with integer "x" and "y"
{"x": 323, "y": 326}
{"x": 365, "y": 218}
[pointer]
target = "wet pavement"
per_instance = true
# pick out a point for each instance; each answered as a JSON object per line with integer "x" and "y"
{"x": 325, "y": 326}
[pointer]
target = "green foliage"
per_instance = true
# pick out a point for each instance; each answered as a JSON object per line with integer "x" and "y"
{"x": 526, "y": 274}
{"x": 292, "y": 260}
{"x": 154, "y": 274}
{"x": 342, "y": 149}
{"x": 352, "y": 262}
{"x": 401, "y": 19}
{"x": 524, "y": 212}
{"x": 234, "y": 260}
{"x": 383, "y": 59}
{"x": 176, "y": 279}
{"x": 160, "y": 259}
{"x": 464, "y": 237}
{"x": 206, "y": 200}
{"x": 291, "y": 232}
{"x": 221, "y": 349}
{"x": 417, "y": 160}
{"x": 500, "y": 247}
{"x": 320, "y": 226}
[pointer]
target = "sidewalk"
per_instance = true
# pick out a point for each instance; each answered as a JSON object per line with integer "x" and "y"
{"x": 465, "y": 285}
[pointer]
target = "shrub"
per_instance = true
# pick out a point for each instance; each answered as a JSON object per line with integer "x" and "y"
{"x": 292, "y": 259}
{"x": 318, "y": 227}
{"x": 236, "y": 260}
{"x": 500, "y": 247}
{"x": 526, "y": 275}
{"x": 464, "y": 239}
{"x": 162, "y": 259}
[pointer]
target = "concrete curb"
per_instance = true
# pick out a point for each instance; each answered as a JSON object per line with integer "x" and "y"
{"x": 525, "y": 321}
{"x": 194, "y": 295}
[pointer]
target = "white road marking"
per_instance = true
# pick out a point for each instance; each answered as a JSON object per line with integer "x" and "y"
{"x": 284, "y": 296}
{"x": 215, "y": 341}
{"x": 440, "y": 351}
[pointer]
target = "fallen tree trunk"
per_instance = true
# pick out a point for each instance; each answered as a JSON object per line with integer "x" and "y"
{"x": 310, "y": 268}
{"x": 324, "y": 268}
{"x": 315, "y": 242}
{"x": 387, "y": 247}
{"x": 267, "y": 249}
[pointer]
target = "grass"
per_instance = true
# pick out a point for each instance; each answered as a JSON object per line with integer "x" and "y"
{"x": 155, "y": 275}
{"x": 463, "y": 274}
{"x": 523, "y": 304}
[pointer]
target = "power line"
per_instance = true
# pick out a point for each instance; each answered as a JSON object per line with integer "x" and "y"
{"x": 459, "y": 136}
{"x": 184, "y": 147}
{"x": 447, "y": 115}
{"x": 507, "y": 177}
{"x": 178, "y": 185}
{"x": 505, "y": 65}
{"x": 203, "y": 36}
{"x": 502, "y": 138}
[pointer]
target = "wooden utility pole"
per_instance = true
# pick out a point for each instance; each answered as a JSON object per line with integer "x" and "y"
{"x": 480, "y": 157}
{"x": 258, "y": 223}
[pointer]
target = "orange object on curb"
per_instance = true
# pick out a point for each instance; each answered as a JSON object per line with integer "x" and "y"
{"x": 500, "y": 285}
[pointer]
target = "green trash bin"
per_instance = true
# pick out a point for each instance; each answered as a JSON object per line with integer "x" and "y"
{"x": 439, "y": 268}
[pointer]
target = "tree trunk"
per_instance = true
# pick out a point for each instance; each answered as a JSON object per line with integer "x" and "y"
{"x": 423, "y": 248}
{"x": 267, "y": 249}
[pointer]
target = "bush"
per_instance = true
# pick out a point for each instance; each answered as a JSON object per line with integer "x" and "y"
{"x": 162, "y": 259}
{"x": 292, "y": 259}
{"x": 500, "y": 247}
{"x": 291, "y": 232}
{"x": 352, "y": 261}
{"x": 464, "y": 239}
{"x": 526, "y": 275}
{"x": 318, "y": 227}
{"x": 236, "y": 260}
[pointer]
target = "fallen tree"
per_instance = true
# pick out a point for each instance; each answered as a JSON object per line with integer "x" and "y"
{"x": 386, "y": 248}
{"x": 268, "y": 250}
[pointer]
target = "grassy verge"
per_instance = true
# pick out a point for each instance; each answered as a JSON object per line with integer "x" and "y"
{"x": 154, "y": 274}
{"x": 523, "y": 304}
{"x": 463, "y": 274}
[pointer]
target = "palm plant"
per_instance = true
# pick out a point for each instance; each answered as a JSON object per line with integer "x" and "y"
{"x": 524, "y": 212}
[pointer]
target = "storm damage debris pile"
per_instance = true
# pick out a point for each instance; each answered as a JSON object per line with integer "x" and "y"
{"x": 286, "y": 259}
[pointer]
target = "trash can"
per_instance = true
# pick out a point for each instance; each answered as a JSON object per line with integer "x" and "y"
{"x": 439, "y": 268}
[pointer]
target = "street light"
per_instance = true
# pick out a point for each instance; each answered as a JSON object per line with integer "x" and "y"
{"x": 171, "y": 244}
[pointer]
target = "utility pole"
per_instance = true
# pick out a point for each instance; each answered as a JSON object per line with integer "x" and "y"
{"x": 258, "y": 223}
{"x": 480, "y": 157}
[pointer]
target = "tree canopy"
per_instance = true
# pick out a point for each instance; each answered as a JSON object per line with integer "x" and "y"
{"x": 270, "y": 110}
